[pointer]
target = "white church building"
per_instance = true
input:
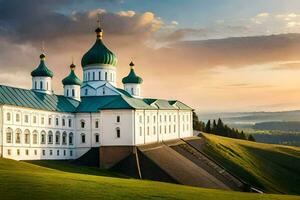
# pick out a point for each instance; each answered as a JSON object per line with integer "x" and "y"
{"x": 93, "y": 113}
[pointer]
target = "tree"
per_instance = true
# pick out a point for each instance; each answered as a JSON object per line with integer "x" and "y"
{"x": 198, "y": 125}
{"x": 208, "y": 127}
{"x": 251, "y": 138}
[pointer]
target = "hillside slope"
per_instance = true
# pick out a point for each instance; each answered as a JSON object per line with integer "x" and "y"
{"x": 273, "y": 168}
{"x": 20, "y": 180}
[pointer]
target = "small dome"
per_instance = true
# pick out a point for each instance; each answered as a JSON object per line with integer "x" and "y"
{"x": 72, "y": 79}
{"x": 42, "y": 69}
{"x": 99, "y": 53}
{"x": 132, "y": 77}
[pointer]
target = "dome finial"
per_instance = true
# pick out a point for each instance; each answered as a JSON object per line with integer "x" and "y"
{"x": 43, "y": 56}
{"x": 99, "y": 31}
{"x": 72, "y": 66}
{"x": 131, "y": 64}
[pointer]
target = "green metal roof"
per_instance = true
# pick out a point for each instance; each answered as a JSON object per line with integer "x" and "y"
{"x": 71, "y": 79}
{"x": 36, "y": 100}
{"x": 99, "y": 54}
{"x": 132, "y": 77}
{"x": 42, "y": 69}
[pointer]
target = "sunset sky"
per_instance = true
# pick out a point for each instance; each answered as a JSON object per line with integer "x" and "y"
{"x": 214, "y": 55}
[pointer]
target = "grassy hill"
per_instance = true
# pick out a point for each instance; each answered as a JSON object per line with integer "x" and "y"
{"x": 62, "y": 180}
{"x": 273, "y": 168}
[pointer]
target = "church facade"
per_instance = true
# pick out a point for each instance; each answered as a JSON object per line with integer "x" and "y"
{"x": 93, "y": 113}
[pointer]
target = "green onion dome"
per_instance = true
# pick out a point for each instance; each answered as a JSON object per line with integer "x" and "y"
{"x": 42, "y": 69}
{"x": 72, "y": 79}
{"x": 132, "y": 77}
{"x": 99, "y": 53}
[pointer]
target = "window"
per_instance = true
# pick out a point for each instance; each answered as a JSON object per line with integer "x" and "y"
{"x": 18, "y": 136}
{"x": 141, "y": 119}
{"x": 70, "y": 138}
{"x": 169, "y": 128}
{"x": 170, "y": 118}
{"x": 42, "y": 120}
{"x": 132, "y": 92}
{"x": 97, "y": 138}
{"x": 26, "y": 118}
{"x": 47, "y": 86}
{"x": 26, "y": 152}
{"x": 9, "y": 135}
{"x": 41, "y": 85}
{"x": 73, "y": 92}
{"x": 165, "y": 129}
{"x": 27, "y": 136}
{"x": 89, "y": 76}
{"x": 57, "y": 137}
{"x": 8, "y": 116}
{"x": 63, "y": 121}
{"x": 34, "y": 137}
{"x": 154, "y": 130}
{"x": 17, "y": 117}
{"x": 64, "y": 152}
{"x": 50, "y": 121}
{"x": 71, "y": 153}
{"x": 99, "y": 75}
{"x": 56, "y": 121}
{"x": 8, "y": 152}
{"x": 51, "y": 152}
{"x": 70, "y": 122}
{"x": 82, "y": 138}
{"x": 57, "y": 152}
{"x": 43, "y": 137}
{"x": 118, "y": 118}
{"x": 118, "y": 132}
{"x": 34, "y": 119}
{"x": 35, "y": 85}
{"x": 103, "y": 91}
{"x": 64, "y": 138}
{"x": 18, "y": 152}
{"x": 86, "y": 91}
{"x": 165, "y": 118}
{"x": 174, "y": 128}
{"x": 44, "y": 152}
{"x": 97, "y": 124}
{"x": 141, "y": 131}
{"x": 106, "y": 76}
{"x": 154, "y": 119}
{"x": 93, "y": 76}
{"x": 50, "y": 137}
{"x": 35, "y": 152}
{"x": 67, "y": 92}
{"x": 82, "y": 123}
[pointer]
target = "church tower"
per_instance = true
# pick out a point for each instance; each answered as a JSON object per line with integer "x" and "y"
{"x": 72, "y": 84}
{"x": 132, "y": 82}
{"x": 42, "y": 77}
{"x": 99, "y": 67}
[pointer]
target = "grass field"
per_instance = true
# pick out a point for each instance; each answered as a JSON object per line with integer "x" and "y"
{"x": 62, "y": 180}
{"x": 273, "y": 168}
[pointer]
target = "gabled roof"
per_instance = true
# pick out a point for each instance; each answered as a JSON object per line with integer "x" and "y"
{"x": 36, "y": 100}
{"x": 166, "y": 104}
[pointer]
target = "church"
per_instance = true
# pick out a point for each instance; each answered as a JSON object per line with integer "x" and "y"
{"x": 37, "y": 124}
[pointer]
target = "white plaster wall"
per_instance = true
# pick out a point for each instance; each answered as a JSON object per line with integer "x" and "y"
{"x": 68, "y": 91}
{"x": 133, "y": 89}
{"x": 45, "y": 80}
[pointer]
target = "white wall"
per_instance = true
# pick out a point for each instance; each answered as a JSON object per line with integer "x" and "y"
{"x": 46, "y": 84}
{"x": 68, "y": 91}
{"x": 133, "y": 89}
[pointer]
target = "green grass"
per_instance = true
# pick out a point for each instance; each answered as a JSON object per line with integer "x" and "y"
{"x": 21, "y": 180}
{"x": 273, "y": 168}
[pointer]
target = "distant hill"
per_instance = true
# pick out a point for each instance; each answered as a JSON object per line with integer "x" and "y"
{"x": 273, "y": 168}
{"x": 278, "y": 125}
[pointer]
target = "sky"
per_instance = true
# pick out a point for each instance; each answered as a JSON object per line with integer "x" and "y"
{"x": 214, "y": 55}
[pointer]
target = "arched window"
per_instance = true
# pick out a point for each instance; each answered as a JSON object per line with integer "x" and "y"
{"x": 97, "y": 138}
{"x": 17, "y": 117}
{"x": 105, "y": 76}
{"x": 82, "y": 138}
{"x": 132, "y": 91}
{"x": 118, "y": 132}
{"x": 71, "y": 138}
{"x": 27, "y": 136}
{"x": 43, "y": 137}
{"x": 64, "y": 138}
{"x": 86, "y": 91}
{"x": 73, "y": 92}
{"x": 8, "y": 116}
{"x": 34, "y": 137}
{"x": 9, "y": 133}
{"x": 67, "y": 92}
{"x": 82, "y": 123}
{"x": 97, "y": 124}
{"x": 118, "y": 118}
{"x": 57, "y": 137}
{"x": 64, "y": 122}
{"x": 93, "y": 76}
{"x": 18, "y": 136}
{"x": 35, "y": 85}
{"x": 89, "y": 76}
{"x": 41, "y": 85}
{"x": 99, "y": 75}
{"x": 50, "y": 137}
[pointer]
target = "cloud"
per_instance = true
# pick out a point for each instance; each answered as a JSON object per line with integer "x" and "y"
{"x": 287, "y": 66}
